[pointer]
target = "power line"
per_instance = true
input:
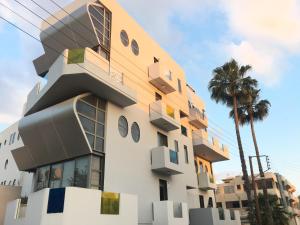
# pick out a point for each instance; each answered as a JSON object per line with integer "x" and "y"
{"x": 85, "y": 39}
{"x": 52, "y": 49}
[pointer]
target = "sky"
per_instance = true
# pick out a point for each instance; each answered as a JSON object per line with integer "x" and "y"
{"x": 200, "y": 36}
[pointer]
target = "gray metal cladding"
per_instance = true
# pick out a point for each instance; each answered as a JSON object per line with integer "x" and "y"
{"x": 51, "y": 135}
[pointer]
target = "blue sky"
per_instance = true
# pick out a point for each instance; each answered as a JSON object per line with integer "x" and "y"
{"x": 200, "y": 35}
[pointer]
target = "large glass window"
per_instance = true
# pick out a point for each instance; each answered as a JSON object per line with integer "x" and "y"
{"x": 81, "y": 172}
{"x": 86, "y": 172}
{"x": 43, "y": 177}
{"x": 68, "y": 174}
{"x": 56, "y": 176}
{"x": 101, "y": 19}
{"x": 91, "y": 112}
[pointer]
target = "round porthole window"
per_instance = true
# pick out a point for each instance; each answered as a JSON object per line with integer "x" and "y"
{"x": 135, "y": 132}
{"x": 135, "y": 47}
{"x": 123, "y": 126}
{"x": 124, "y": 38}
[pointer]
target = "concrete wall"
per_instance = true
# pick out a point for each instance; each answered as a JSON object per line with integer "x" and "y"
{"x": 210, "y": 216}
{"x": 81, "y": 206}
{"x": 7, "y": 194}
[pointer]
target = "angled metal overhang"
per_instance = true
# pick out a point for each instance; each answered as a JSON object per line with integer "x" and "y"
{"x": 63, "y": 34}
{"x": 51, "y": 135}
{"x": 92, "y": 74}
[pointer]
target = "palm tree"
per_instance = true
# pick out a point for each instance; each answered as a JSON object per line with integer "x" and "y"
{"x": 279, "y": 215}
{"x": 225, "y": 87}
{"x": 253, "y": 109}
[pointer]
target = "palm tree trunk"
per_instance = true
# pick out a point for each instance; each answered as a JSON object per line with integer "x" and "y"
{"x": 261, "y": 172}
{"x": 242, "y": 157}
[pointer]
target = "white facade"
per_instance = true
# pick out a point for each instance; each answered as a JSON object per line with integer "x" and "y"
{"x": 115, "y": 122}
{"x": 9, "y": 172}
{"x": 81, "y": 206}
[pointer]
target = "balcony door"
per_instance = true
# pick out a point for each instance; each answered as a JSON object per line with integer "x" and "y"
{"x": 163, "y": 190}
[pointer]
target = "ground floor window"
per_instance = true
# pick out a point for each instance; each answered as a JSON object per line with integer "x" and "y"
{"x": 86, "y": 172}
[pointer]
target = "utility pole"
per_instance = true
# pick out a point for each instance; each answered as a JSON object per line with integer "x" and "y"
{"x": 257, "y": 210}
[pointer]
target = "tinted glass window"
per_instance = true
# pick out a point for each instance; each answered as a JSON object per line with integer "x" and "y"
{"x": 91, "y": 112}
{"x": 135, "y": 132}
{"x": 43, "y": 175}
{"x": 135, "y": 47}
{"x": 162, "y": 139}
{"x": 123, "y": 126}
{"x": 124, "y": 38}
{"x": 56, "y": 176}
{"x": 68, "y": 174}
{"x": 81, "y": 172}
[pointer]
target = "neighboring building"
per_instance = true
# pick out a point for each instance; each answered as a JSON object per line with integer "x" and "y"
{"x": 231, "y": 194}
{"x": 116, "y": 116}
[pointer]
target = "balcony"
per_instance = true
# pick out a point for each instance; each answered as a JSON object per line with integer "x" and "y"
{"x": 198, "y": 119}
{"x": 79, "y": 71}
{"x": 214, "y": 216}
{"x": 170, "y": 213}
{"x": 165, "y": 161}
{"x": 161, "y": 78}
{"x": 164, "y": 116}
{"x": 209, "y": 150}
{"x": 206, "y": 181}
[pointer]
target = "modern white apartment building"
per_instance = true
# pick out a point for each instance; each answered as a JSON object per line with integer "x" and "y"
{"x": 116, "y": 135}
{"x": 231, "y": 194}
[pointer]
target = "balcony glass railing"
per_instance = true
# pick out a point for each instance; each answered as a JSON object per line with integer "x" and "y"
{"x": 110, "y": 203}
{"x": 173, "y": 157}
{"x": 76, "y": 56}
{"x": 170, "y": 111}
{"x": 83, "y": 55}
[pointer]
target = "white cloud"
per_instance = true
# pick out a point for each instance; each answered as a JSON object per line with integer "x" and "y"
{"x": 270, "y": 32}
{"x": 266, "y": 62}
{"x": 274, "y": 22}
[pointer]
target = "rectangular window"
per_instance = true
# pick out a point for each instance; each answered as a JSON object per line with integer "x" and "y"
{"x": 233, "y": 204}
{"x": 56, "y": 200}
{"x": 110, "y": 203}
{"x": 81, "y": 172}
{"x": 210, "y": 203}
{"x": 219, "y": 205}
{"x": 238, "y": 187}
{"x": 176, "y": 146}
{"x": 162, "y": 139}
{"x": 173, "y": 156}
{"x": 163, "y": 190}
{"x": 186, "y": 154}
{"x": 56, "y": 176}
{"x": 179, "y": 86}
{"x": 97, "y": 172}
{"x": 184, "y": 130}
{"x": 68, "y": 174}
{"x": 42, "y": 177}
{"x": 228, "y": 189}
{"x": 201, "y": 199}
